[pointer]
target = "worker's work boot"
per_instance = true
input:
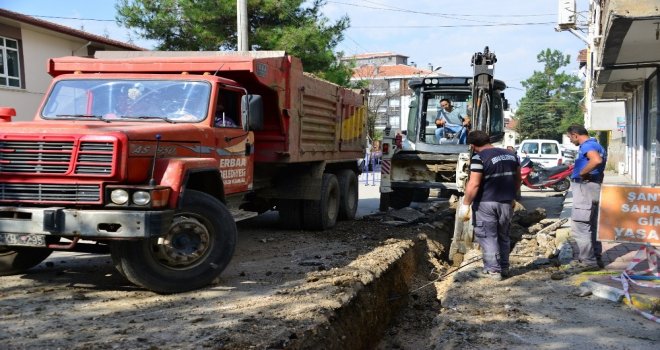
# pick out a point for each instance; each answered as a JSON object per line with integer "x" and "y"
{"x": 495, "y": 276}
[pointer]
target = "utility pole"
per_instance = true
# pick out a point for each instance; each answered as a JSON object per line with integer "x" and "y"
{"x": 242, "y": 24}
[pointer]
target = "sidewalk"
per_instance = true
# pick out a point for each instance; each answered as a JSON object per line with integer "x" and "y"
{"x": 616, "y": 257}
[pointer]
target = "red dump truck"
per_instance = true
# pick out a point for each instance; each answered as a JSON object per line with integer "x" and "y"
{"x": 153, "y": 156}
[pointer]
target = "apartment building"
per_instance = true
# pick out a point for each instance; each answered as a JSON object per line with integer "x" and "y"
{"x": 387, "y": 75}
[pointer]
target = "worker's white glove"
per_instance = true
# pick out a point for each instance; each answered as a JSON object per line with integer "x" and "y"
{"x": 463, "y": 212}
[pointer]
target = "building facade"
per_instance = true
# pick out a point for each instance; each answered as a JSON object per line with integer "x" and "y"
{"x": 387, "y": 75}
{"x": 623, "y": 62}
{"x": 26, "y": 45}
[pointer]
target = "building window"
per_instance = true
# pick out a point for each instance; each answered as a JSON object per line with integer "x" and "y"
{"x": 394, "y": 86}
{"x": 394, "y": 106}
{"x": 9, "y": 66}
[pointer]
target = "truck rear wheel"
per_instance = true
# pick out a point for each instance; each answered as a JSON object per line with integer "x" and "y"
{"x": 401, "y": 197}
{"x": 322, "y": 214}
{"x": 18, "y": 259}
{"x": 195, "y": 250}
{"x": 348, "y": 189}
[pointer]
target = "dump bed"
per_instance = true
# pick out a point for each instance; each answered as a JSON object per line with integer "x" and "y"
{"x": 305, "y": 118}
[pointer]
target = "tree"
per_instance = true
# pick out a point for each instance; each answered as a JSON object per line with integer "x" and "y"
{"x": 193, "y": 25}
{"x": 380, "y": 95}
{"x": 552, "y": 99}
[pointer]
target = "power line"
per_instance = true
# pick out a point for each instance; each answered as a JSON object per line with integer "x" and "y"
{"x": 456, "y": 25}
{"x": 75, "y": 18}
{"x": 396, "y": 9}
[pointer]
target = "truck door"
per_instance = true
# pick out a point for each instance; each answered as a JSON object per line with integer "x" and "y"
{"x": 234, "y": 145}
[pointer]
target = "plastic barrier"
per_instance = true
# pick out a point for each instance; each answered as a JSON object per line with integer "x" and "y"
{"x": 650, "y": 254}
{"x": 370, "y": 170}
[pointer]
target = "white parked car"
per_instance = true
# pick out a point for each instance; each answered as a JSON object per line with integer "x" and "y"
{"x": 545, "y": 152}
{"x": 569, "y": 153}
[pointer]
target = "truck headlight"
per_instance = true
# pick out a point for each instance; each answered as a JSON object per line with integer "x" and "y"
{"x": 119, "y": 196}
{"x": 141, "y": 197}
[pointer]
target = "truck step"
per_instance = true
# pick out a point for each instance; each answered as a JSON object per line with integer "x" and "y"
{"x": 240, "y": 214}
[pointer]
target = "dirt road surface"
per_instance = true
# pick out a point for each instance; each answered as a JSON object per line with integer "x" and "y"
{"x": 368, "y": 283}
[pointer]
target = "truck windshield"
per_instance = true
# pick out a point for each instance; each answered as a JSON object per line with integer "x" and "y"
{"x": 143, "y": 100}
{"x": 426, "y": 108}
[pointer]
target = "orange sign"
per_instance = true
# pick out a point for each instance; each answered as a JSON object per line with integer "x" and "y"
{"x": 629, "y": 214}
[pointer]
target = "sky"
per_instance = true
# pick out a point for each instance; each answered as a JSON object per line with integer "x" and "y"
{"x": 437, "y": 32}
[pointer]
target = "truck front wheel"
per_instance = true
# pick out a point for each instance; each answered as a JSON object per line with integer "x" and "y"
{"x": 18, "y": 259}
{"x": 195, "y": 250}
{"x": 322, "y": 214}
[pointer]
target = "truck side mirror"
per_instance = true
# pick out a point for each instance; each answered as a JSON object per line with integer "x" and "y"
{"x": 253, "y": 112}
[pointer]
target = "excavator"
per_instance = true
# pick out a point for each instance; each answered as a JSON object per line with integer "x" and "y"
{"x": 426, "y": 159}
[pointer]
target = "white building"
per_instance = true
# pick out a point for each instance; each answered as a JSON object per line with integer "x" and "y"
{"x": 387, "y": 75}
{"x": 26, "y": 45}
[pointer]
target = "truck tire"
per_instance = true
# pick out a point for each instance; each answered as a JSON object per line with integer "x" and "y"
{"x": 401, "y": 197}
{"x": 18, "y": 259}
{"x": 290, "y": 211}
{"x": 195, "y": 250}
{"x": 348, "y": 190}
{"x": 322, "y": 214}
{"x": 421, "y": 194}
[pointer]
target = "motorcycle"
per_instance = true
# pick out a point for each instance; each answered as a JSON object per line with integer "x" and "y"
{"x": 537, "y": 177}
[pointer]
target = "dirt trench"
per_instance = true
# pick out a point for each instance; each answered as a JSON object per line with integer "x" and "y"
{"x": 397, "y": 305}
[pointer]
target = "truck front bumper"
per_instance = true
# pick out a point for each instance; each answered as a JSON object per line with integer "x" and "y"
{"x": 85, "y": 223}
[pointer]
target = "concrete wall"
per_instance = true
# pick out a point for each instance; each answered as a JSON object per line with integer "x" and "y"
{"x": 38, "y": 47}
{"x": 630, "y": 8}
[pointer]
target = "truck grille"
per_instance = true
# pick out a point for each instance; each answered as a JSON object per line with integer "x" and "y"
{"x": 56, "y": 157}
{"x": 50, "y": 193}
{"x": 95, "y": 158}
{"x": 40, "y": 157}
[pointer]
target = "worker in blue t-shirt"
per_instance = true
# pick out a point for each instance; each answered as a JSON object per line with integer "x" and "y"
{"x": 493, "y": 186}
{"x": 449, "y": 120}
{"x": 585, "y": 186}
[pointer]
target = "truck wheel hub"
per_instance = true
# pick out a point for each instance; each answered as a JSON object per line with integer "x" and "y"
{"x": 185, "y": 243}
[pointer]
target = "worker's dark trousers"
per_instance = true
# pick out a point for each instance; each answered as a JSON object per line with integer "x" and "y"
{"x": 491, "y": 228}
{"x": 584, "y": 220}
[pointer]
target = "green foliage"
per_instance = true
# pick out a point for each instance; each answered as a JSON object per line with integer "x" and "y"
{"x": 552, "y": 99}
{"x": 378, "y": 135}
{"x": 210, "y": 25}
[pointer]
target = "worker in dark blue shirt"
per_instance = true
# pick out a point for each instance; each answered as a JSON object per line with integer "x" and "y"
{"x": 493, "y": 186}
{"x": 586, "y": 180}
